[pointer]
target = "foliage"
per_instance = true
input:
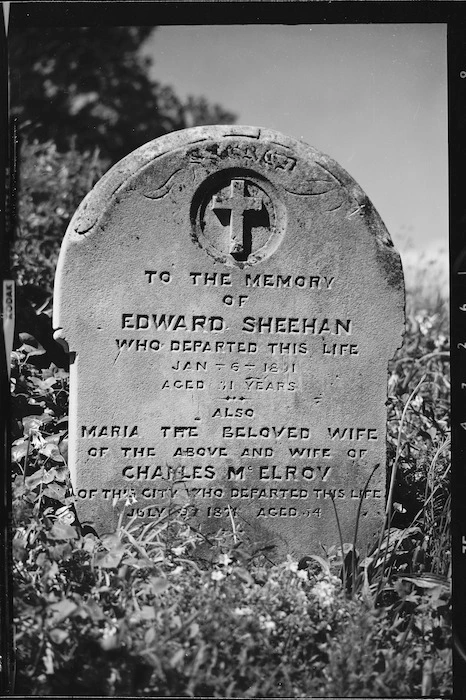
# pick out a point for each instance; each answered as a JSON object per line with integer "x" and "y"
{"x": 83, "y": 99}
{"x": 419, "y": 435}
{"x": 142, "y": 611}
{"x": 129, "y": 614}
{"x": 92, "y": 84}
{"x": 52, "y": 185}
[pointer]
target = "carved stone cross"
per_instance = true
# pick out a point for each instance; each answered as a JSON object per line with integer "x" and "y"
{"x": 237, "y": 203}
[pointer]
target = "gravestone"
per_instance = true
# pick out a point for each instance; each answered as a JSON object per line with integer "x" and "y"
{"x": 230, "y": 300}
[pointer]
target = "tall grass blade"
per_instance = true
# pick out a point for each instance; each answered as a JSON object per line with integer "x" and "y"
{"x": 356, "y": 527}
{"x": 340, "y": 535}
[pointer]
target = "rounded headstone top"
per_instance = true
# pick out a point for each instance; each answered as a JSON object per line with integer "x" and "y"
{"x": 305, "y": 170}
{"x": 242, "y": 196}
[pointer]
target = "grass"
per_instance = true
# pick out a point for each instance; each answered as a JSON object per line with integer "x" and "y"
{"x": 143, "y": 611}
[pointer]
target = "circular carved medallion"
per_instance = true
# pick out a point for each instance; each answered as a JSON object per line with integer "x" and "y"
{"x": 236, "y": 220}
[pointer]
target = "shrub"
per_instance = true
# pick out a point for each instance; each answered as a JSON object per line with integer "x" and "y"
{"x": 128, "y": 614}
{"x": 144, "y": 611}
{"x": 51, "y": 186}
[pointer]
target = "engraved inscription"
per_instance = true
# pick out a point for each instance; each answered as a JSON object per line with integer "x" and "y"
{"x": 282, "y": 460}
{"x": 232, "y": 366}
{"x": 246, "y": 153}
{"x": 289, "y": 281}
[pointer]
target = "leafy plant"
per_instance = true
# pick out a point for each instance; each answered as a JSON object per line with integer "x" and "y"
{"x": 94, "y": 85}
{"x": 52, "y": 184}
{"x": 162, "y": 610}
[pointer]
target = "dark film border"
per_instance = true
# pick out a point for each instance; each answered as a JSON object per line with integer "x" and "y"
{"x": 451, "y": 13}
{"x": 457, "y": 153}
{"x": 7, "y": 214}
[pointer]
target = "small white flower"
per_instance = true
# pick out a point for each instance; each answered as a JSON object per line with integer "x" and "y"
{"x": 292, "y": 566}
{"x": 65, "y": 515}
{"x": 109, "y": 630}
{"x": 217, "y": 575}
{"x": 424, "y": 322}
{"x": 177, "y": 551}
{"x": 37, "y": 440}
{"x": 302, "y": 574}
{"x": 48, "y": 660}
{"x": 441, "y": 340}
{"x": 225, "y": 559}
{"x": 242, "y": 611}
{"x": 392, "y": 382}
{"x": 109, "y": 638}
{"x": 268, "y": 625}
{"x": 177, "y": 570}
{"x": 324, "y": 592}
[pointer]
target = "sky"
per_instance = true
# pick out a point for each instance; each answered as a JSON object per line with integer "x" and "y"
{"x": 373, "y": 97}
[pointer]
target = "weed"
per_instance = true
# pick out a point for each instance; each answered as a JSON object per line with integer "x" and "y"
{"x": 162, "y": 610}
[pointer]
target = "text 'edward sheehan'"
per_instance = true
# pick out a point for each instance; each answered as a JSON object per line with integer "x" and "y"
{"x": 250, "y": 324}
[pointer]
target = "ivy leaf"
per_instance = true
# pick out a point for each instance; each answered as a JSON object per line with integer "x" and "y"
{"x": 66, "y": 515}
{"x": 60, "y": 473}
{"x": 90, "y": 542}
{"x": 19, "y": 449}
{"x": 49, "y": 476}
{"x": 61, "y": 374}
{"x": 58, "y": 636}
{"x": 52, "y": 439}
{"x": 147, "y": 612}
{"x": 60, "y": 611}
{"x": 93, "y": 610}
{"x": 32, "y": 423}
{"x": 34, "y": 480}
{"x": 29, "y": 349}
{"x": 176, "y": 658}
{"x": 55, "y": 490}
{"x": 193, "y": 629}
{"x": 149, "y": 636}
{"x": 109, "y": 560}
{"x": 52, "y": 570}
{"x": 63, "y": 447}
{"x": 52, "y": 452}
{"x": 44, "y": 385}
{"x": 111, "y": 540}
{"x": 114, "y": 555}
{"x": 158, "y": 584}
{"x": 62, "y": 531}
{"x": 60, "y": 552}
{"x": 244, "y": 575}
{"x": 133, "y": 561}
{"x": 428, "y": 581}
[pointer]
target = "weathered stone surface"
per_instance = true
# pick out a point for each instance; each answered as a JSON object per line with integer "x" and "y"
{"x": 231, "y": 300}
